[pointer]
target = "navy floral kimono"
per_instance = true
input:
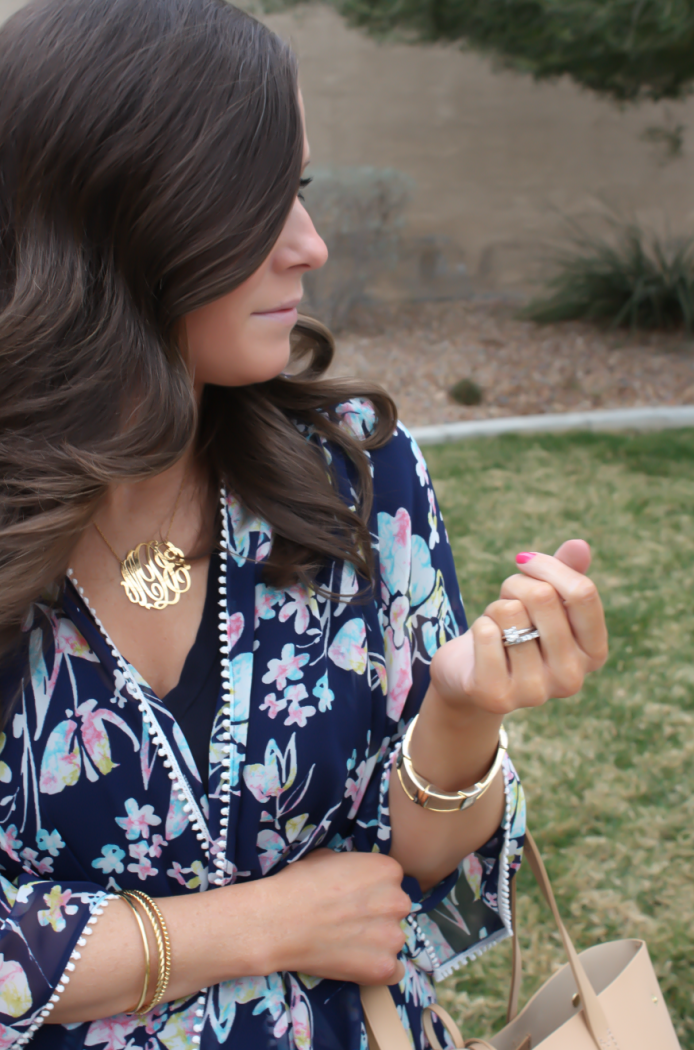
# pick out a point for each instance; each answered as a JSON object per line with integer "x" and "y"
{"x": 99, "y": 791}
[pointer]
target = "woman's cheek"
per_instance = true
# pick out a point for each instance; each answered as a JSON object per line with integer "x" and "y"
{"x": 244, "y": 358}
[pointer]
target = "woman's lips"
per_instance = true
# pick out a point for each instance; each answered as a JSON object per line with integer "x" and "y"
{"x": 285, "y": 315}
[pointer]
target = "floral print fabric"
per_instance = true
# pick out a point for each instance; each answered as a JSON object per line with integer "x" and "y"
{"x": 100, "y": 791}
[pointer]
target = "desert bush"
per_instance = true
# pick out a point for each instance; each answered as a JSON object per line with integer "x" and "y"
{"x": 467, "y": 392}
{"x": 629, "y": 280}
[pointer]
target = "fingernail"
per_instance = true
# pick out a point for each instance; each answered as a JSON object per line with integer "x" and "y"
{"x": 525, "y": 556}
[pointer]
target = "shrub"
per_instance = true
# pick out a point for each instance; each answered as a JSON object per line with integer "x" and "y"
{"x": 467, "y": 392}
{"x": 630, "y": 281}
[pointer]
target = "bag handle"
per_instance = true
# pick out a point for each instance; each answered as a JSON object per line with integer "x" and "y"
{"x": 593, "y": 1012}
{"x": 447, "y": 1022}
{"x": 385, "y": 1029}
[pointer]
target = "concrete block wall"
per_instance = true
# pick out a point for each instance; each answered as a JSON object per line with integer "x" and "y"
{"x": 497, "y": 161}
{"x": 438, "y": 175}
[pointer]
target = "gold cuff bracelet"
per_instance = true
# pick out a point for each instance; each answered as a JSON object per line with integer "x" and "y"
{"x": 424, "y": 794}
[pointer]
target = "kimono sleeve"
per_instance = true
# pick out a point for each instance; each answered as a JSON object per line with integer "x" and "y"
{"x": 42, "y": 927}
{"x": 417, "y": 597}
{"x": 420, "y": 609}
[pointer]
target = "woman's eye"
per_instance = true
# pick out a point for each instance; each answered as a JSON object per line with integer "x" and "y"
{"x": 303, "y": 183}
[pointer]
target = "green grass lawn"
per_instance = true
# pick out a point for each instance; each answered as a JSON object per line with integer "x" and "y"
{"x": 608, "y": 774}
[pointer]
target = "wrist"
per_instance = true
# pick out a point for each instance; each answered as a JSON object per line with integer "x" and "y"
{"x": 278, "y": 938}
{"x": 249, "y": 928}
{"x": 454, "y": 745}
{"x": 458, "y": 714}
{"x": 448, "y": 681}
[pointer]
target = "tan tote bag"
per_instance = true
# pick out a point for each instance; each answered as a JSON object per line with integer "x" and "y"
{"x": 605, "y": 998}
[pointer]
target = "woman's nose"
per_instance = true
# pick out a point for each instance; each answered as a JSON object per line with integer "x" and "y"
{"x": 300, "y": 243}
{"x": 318, "y": 249}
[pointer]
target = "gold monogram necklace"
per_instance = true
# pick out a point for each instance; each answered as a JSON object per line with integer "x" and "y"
{"x": 155, "y": 574}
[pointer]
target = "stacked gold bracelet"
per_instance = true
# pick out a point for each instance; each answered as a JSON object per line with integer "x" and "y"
{"x": 161, "y": 937}
{"x": 424, "y": 794}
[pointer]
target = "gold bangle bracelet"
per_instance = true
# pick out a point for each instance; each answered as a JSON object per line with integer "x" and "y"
{"x": 165, "y": 972}
{"x": 145, "y": 944}
{"x": 161, "y": 934}
{"x": 424, "y": 794}
{"x": 133, "y": 897}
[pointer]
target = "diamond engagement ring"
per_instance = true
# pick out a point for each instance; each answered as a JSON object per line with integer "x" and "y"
{"x": 518, "y": 635}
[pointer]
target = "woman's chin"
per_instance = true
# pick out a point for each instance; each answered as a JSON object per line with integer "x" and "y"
{"x": 271, "y": 365}
{"x": 258, "y": 366}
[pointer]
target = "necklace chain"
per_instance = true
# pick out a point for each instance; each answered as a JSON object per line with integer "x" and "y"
{"x": 168, "y": 531}
{"x": 155, "y": 573}
{"x": 106, "y": 542}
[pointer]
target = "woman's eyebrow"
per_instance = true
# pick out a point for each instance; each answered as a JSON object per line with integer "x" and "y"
{"x": 306, "y": 162}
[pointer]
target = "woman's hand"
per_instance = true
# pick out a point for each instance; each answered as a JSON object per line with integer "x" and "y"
{"x": 338, "y": 916}
{"x": 554, "y": 595}
{"x": 334, "y": 915}
{"x": 475, "y": 681}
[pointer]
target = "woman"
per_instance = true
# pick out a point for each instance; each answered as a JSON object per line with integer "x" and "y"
{"x": 226, "y": 591}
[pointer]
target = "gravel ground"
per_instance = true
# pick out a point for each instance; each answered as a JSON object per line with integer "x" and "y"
{"x": 419, "y": 351}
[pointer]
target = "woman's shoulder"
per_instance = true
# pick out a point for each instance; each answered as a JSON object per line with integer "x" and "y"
{"x": 357, "y": 417}
{"x": 401, "y": 485}
{"x": 400, "y": 453}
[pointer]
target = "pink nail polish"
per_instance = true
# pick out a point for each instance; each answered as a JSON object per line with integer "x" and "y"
{"x": 525, "y": 556}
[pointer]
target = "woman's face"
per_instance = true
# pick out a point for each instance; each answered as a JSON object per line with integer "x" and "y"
{"x": 243, "y": 337}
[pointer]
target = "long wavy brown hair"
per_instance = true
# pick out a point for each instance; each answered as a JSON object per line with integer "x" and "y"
{"x": 150, "y": 153}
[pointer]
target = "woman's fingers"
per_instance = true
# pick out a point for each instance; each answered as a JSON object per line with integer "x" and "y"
{"x": 347, "y": 918}
{"x": 505, "y": 679}
{"x": 490, "y": 686}
{"x": 566, "y": 662}
{"x": 576, "y": 554}
{"x": 525, "y": 660}
{"x": 581, "y": 599}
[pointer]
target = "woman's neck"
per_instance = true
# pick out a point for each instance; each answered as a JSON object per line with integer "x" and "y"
{"x": 154, "y": 640}
{"x": 176, "y": 505}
